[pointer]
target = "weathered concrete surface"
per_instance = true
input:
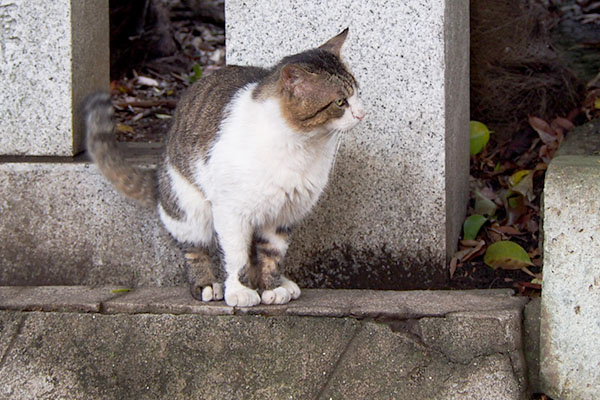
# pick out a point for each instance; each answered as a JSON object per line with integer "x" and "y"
{"x": 9, "y": 329}
{"x": 61, "y": 223}
{"x": 52, "y": 54}
{"x": 569, "y": 327}
{"x": 398, "y": 192}
{"x": 278, "y": 354}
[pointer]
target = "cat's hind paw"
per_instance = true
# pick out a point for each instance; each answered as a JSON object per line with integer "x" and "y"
{"x": 214, "y": 292}
{"x": 207, "y": 293}
{"x": 241, "y": 296}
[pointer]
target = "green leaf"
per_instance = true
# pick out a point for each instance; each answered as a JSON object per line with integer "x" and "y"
{"x": 517, "y": 177}
{"x": 506, "y": 255}
{"x": 122, "y": 290}
{"x": 514, "y": 204}
{"x": 197, "y": 73}
{"x": 479, "y": 136}
{"x": 522, "y": 182}
{"x": 483, "y": 205}
{"x": 472, "y": 225}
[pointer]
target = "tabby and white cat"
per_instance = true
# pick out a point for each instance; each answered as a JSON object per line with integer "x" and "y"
{"x": 247, "y": 156}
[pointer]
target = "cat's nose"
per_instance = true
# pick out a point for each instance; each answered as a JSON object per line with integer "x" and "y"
{"x": 359, "y": 114}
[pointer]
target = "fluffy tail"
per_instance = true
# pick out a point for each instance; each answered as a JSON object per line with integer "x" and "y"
{"x": 136, "y": 183}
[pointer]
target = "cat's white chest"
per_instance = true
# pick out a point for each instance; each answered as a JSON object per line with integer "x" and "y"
{"x": 262, "y": 168}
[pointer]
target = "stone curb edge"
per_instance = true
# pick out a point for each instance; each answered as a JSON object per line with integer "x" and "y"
{"x": 312, "y": 302}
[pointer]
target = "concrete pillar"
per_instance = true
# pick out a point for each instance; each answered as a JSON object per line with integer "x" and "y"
{"x": 570, "y": 316}
{"x": 52, "y": 54}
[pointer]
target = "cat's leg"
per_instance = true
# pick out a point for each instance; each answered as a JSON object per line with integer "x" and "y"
{"x": 270, "y": 246}
{"x": 206, "y": 284}
{"x": 234, "y": 239}
{"x": 186, "y": 214}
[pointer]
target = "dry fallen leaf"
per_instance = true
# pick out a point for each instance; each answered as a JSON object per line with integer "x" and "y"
{"x": 544, "y": 130}
{"x": 124, "y": 128}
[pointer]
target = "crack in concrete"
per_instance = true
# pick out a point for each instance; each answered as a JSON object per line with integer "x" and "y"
{"x": 338, "y": 362}
{"x": 12, "y": 340}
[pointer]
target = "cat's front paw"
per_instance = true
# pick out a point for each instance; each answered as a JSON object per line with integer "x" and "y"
{"x": 241, "y": 296}
{"x": 283, "y": 294}
{"x": 291, "y": 287}
{"x": 278, "y": 295}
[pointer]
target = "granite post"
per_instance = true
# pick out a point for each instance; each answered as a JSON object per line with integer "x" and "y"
{"x": 569, "y": 313}
{"x": 52, "y": 54}
{"x": 398, "y": 193}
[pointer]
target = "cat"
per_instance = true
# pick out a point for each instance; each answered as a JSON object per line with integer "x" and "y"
{"x": 247, "y": 156}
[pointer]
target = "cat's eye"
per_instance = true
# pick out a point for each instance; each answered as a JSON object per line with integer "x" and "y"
{"x": 341, "y": 102}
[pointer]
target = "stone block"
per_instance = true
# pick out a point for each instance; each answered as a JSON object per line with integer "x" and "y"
{"x": 569, "y": 327}
{"x": 464, "y": 336}
{"x": 52, "y": 54}
{"x": 179, "y": 357}
{"x": 491, "y": 306}
{"x": 61, "y": 223}
{"x": 381, "y": 364}
{"x": 55, "y": 298}
{"x": 398, "y": 191}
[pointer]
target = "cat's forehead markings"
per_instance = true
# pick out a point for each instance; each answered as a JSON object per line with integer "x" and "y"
{"x": 346, "y": 85}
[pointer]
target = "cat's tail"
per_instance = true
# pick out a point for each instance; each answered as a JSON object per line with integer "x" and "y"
{"x": 134, "y": 182}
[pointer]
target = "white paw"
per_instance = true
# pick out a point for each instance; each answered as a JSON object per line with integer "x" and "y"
{"x": 291, "y": 287}
{"x": 214, "y": 292}
{"x": 278, "y": 295}
{"x": 207, "y": 293}
{"x": 241, "y": 296}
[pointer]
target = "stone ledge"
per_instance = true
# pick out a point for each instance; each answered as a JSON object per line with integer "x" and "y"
{"x": 312, "y": 302}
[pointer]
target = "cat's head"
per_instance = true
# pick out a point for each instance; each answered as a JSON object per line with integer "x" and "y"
{"x": 318, "y": 93}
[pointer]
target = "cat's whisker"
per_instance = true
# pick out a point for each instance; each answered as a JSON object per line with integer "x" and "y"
{"x": 338, "y": 134}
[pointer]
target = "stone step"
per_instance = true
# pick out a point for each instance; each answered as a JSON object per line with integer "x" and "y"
{"x": 111, "y": 343}
{"x": 569, "y": 315}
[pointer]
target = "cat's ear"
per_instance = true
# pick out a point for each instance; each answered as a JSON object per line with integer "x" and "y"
{"x": 295, "y": 79}
{"x": 334, "y": 45}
